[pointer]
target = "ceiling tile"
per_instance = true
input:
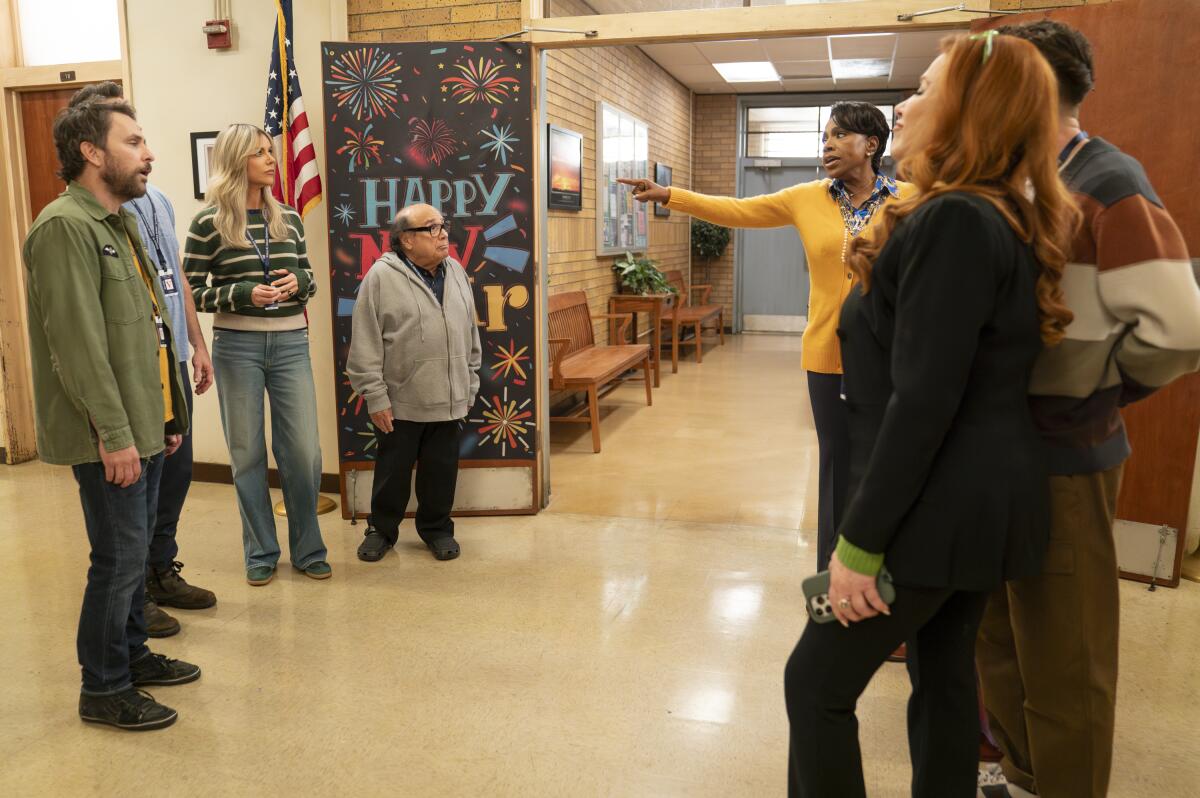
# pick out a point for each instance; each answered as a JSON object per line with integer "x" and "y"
{"x": 802, "y": 69}
{"x": 689, "y": 74}
{"x": 671, "y": 54}
{"x": 810, "y": 85}
{"x": 755, "y": 88}
{"x": 809, "y": 48}
{"x": 727, "y": 52}
{"x": 911, "y": 67}
{"x": 877, "y": 46}
{"x": 921, "y": 43}
{"x": 862, "y": 84}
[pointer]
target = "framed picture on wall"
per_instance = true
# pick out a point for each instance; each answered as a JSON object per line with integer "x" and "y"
{"x": 565, "y": 169}
{"x": 662, "y": 176}
{"x": 622, "y": 150}
{"x": 202, "y": 146}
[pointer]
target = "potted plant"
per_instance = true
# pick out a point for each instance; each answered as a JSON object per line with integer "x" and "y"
{"x": 709, "y": 241}
{"x": 641, "y": 276}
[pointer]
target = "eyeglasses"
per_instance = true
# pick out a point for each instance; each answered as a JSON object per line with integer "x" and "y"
{"x": 434, "y": 230}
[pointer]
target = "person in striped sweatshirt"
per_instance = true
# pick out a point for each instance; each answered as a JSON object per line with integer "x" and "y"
{"x": 246, "y": 262}
{"x": 1047, "y": 650}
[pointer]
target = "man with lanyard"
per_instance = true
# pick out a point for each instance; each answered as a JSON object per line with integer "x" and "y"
{"x": 108, "y": 397}
{"x": 156, "y": 224}
{"x": 1047, "y": 650}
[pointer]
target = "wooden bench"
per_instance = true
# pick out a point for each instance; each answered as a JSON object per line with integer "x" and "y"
{"x": 578, "y": 363}
{"x": 685, "y": 315}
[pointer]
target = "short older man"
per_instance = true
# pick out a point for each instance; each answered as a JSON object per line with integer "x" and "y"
{"x": 414, "y": 358}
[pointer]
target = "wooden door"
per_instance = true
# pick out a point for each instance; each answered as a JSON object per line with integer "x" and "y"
{"x": 38, "y": 109}
{"x": 1145, "y": 104}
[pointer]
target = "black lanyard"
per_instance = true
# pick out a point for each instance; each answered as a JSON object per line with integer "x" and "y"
{"x": 155, "y": 234}
{"x": 264, "y": 257}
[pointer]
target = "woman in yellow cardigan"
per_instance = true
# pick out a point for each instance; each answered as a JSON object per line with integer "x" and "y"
{"x": 827, "y": 214}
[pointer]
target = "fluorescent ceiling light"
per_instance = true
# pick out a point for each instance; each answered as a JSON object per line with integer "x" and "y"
{"x": 747, "y": 71}
{"x": 845, "y": 68}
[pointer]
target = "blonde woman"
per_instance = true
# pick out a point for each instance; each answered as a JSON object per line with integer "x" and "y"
{"x": 245, "y": 260}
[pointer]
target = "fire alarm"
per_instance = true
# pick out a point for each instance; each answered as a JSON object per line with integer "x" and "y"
{"x": 217, "y": 31}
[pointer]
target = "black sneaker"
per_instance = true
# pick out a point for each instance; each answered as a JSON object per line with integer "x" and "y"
{"x": 132, "y": 710}
{"x": 374, "y": 546}
{"x": 157, "y": 669}
{"x": 158, "y": 623}
{"x": 168, "y": 588}
{"x": 444, "y": 548}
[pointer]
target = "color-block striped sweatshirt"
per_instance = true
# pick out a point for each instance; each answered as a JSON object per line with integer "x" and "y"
{"x": 1137, "y": 313}
{"x": 222, "y": 278}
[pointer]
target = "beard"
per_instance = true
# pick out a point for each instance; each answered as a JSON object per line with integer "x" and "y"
{"x": 125, "y": 185}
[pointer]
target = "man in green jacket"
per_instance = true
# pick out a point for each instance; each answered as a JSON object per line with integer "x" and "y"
{"x": 108, "y": 396}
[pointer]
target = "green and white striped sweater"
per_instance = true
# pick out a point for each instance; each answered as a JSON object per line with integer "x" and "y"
{"x": 222, "y": 278}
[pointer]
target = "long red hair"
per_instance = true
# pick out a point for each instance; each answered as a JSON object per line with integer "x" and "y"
{"x": 992, "y": 130}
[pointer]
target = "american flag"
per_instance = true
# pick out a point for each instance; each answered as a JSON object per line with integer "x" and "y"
{"x": 297, "y": 181}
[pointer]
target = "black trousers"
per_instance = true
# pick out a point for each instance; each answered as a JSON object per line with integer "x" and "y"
{"x": 831, "y": 666}
{"x": 172, "y": 490}
{"x": 433, "y": 447}
{"x": 833, "y": 447}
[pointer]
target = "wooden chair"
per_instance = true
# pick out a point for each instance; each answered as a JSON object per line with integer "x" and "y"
{"x": 578, "y": 363}
{"x": 686, "y": 315}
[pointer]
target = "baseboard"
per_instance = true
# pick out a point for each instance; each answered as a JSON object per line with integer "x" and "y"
{"x": 222, "y": 474}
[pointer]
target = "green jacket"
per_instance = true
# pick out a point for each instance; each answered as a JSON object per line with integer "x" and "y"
{"x": 91, "y": 335}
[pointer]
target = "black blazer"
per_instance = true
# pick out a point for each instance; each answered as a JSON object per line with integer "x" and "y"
{"x": 946, "y": 472}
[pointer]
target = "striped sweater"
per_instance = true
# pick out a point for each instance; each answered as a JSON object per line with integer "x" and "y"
{"x": 1137, "y": 314}
{"x": 222, "y": 278}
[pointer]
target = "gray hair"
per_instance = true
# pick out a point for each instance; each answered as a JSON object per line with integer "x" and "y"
{"x": 402, "y": 222}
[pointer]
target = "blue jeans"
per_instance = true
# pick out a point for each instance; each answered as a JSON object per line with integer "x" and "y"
{"x": 112, "y": 630}
{"x": 172, "y": 490}
{"x": 247, "y": 365}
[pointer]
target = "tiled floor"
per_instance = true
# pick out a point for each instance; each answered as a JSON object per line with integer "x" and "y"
{"x": 629, "y": 641}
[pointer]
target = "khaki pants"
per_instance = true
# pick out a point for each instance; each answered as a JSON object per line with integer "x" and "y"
{"x": 1047, "y": 650}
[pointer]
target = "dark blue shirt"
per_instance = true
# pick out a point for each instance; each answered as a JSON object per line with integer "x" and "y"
{"x": 436, "y": 280}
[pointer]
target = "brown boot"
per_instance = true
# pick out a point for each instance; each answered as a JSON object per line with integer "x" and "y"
{"x": 169, "y": 589}
{"x": 158, "y": 623}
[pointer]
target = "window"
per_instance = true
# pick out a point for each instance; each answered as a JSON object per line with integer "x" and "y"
{"x": 792, "y": 132}
{"x": 69, "y": 31}
{"x": 623, "y": 150}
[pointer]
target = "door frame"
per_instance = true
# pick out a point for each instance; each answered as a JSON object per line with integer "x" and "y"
{"x": 748, "y": 101}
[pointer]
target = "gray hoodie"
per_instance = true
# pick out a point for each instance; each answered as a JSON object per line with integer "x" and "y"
{"x": 409, "y": 353}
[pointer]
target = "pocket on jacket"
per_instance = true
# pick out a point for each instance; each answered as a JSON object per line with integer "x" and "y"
{"x": 426, "y": 385}
{"x": 460, "y": 378}
{"x": 120, "y": 298}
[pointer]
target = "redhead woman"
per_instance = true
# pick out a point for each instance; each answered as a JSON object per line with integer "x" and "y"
{"x": 246, "y": 263}
{"x": 828, "y": 214}
{"x": 957, "y": 291}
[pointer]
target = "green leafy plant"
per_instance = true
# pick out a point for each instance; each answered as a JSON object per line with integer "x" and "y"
{"x": 709, "y": 241}
{"x": 641, "y": 276}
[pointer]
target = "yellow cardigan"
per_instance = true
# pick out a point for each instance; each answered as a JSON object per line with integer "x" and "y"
{"x": 818, "y": 219}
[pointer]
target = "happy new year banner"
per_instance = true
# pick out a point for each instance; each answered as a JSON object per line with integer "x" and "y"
{"x": 449, "y": 125}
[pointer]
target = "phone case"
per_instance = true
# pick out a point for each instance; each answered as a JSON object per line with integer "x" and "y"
{"x": 816, "y": 594}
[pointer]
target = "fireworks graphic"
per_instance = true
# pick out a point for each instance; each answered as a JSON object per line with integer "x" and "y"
{"x": 364, "y": 81}
{"x": 500, "y": 142}
{"x": 344, "y": 214}
{"x": 505, "y": 423}
{"x": 361, "y": 147}
{"x": 434, "y": 140}
{"x": 481, "y": 81}
{"x": 510, "y": 360}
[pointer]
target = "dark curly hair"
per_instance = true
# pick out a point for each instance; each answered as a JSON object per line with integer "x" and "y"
{"x": 865, "y": 119}
{"x": 1068, "y": 51}
{"x": 88, "y": 121}
{"x": 108, "y": 90}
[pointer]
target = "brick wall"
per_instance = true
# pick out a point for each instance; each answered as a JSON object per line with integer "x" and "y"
{"x": 430, "y": 20}
{"x": 715, "y": 161}
{"x": 577, "y": 81}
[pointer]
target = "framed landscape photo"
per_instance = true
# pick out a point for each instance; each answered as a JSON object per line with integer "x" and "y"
{"x": 202, "y": 146}
{"x": 662, "y": 176}
{"x": 565, "y": 169}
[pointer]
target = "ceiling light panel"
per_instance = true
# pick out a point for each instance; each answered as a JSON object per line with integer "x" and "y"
{"x": 748, "y": 71}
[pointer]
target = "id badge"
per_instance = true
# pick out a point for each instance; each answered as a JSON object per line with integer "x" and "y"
{"x": 167, "y": 278}
{"x": 161, "y": 326}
